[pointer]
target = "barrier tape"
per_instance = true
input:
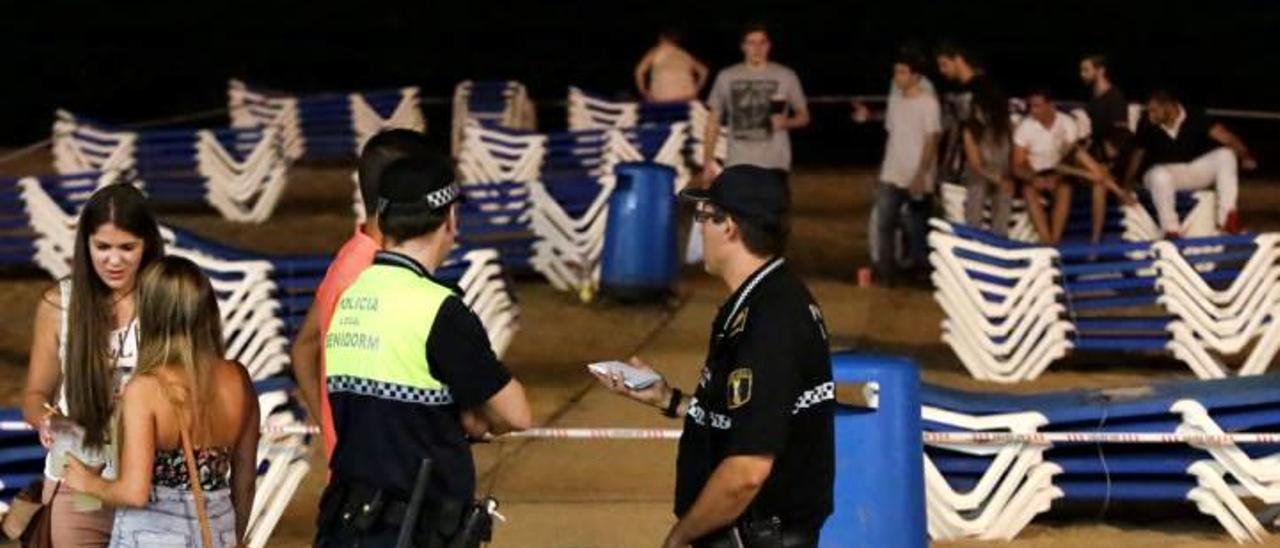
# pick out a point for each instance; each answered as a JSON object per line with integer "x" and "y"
{"x": 938, "y": 438}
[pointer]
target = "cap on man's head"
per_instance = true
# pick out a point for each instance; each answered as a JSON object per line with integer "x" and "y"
{"x": 417, "y": 184}
{"x": 750, "y": 193}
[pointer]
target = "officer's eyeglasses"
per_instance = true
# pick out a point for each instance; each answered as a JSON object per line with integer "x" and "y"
{"x": 714, "y": 215}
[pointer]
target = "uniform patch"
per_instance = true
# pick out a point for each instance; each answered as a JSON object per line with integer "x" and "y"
{"x": 739, "y": 322}
{"x": 740, "y": 381}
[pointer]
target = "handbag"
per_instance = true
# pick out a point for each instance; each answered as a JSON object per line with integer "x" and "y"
{"x": 37, "y": 529}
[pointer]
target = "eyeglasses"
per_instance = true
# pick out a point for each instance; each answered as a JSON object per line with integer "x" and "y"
{"x": 715, "y": 216}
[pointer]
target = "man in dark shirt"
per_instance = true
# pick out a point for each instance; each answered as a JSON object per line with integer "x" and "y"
{"x": 1181, "y": 150}
{"x": 1109, "y": 135}
{"x": 757, "y": 455}
{"x": 970, "y": 89}
{"x": 411, "y": 375}
{"x": 1108, "y": 112}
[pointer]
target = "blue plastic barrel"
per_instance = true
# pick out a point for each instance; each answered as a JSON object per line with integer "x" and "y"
{"x": 639, "y": 257}
{"x": 879, "y": 489}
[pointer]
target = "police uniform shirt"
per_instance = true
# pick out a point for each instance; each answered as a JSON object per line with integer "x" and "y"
{"x": 382, "y": 436}
{"x": 766, "y": 389}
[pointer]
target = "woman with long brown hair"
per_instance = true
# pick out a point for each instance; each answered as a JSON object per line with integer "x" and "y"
{"x": 84, "y": 347}
{"x": 988, "y": 148}
{"x": 185, "y": 400}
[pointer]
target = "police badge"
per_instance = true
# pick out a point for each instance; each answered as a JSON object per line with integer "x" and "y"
{"x": 739, "y": 387}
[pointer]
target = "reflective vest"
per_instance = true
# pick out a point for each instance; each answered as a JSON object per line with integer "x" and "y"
{"x": 377, "y": 339}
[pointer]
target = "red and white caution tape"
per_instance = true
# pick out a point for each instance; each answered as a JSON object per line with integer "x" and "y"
{"x": 1047, "y": 438}
{"x": 596, "y": 434}
{"x": 940, "y": 438}
{"x": 937, "y": 438}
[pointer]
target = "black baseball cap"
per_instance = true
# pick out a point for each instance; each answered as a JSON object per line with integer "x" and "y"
{"x": 752, "y": 194}
{"x": 418, "y": 183}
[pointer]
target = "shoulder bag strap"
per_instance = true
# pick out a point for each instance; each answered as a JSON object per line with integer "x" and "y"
{"x": 193, "y": 475}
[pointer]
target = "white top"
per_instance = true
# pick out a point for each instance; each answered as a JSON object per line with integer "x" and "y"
{"x": 910, "y": 122}
{"x": 1046, "y": 147}
{"x": 124, "y": 351}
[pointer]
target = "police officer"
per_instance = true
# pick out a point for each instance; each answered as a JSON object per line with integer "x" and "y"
{"x": 756, "y": 460}
{"x": 411, "y": 376}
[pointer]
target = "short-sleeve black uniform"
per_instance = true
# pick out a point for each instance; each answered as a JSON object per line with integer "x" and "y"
{"x": 766, "y": 389}
{"x": 381, "y": 440}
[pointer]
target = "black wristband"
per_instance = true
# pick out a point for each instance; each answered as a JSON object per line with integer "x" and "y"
{"x": 674, "y": 405}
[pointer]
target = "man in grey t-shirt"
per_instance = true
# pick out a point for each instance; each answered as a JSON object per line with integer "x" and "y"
{"x": 913, "y": 122}
{"x": 760, "y": 102}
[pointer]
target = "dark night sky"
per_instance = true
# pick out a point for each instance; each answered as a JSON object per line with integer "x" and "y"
{"x": 131, "y": 63}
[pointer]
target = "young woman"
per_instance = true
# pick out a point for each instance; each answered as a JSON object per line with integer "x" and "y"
{"x": 669, "y": 73}
{"x": 85, "y": 346}
{"x": 988, "y": 147}
{"x": 183, "y": 388}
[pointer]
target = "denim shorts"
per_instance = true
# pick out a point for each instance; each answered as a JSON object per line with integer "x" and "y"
{"x": 170, "y": 519}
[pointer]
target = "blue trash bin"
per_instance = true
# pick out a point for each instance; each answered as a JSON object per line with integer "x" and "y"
{"x": 879, "y": 488}
{"x": 639, "y": 259}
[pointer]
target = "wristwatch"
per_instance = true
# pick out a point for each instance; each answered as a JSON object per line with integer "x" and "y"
{"x": 673, "y": 406}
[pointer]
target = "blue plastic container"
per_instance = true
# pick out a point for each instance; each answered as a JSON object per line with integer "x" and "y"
{"x": 639, "y": 258}
{"x": 879, "y": 489}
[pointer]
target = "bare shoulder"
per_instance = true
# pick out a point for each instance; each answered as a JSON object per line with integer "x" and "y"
{"x": 142, "y": 388}
{"x": 233, "y": 373}
{"x": 51, "y": 300}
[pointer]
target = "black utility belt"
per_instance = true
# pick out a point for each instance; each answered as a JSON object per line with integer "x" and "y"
{"x": 441, "y": 523}
{"x": 764, "y": 533}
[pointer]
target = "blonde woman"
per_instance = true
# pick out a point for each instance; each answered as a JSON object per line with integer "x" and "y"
{"x": 183, "y": 387}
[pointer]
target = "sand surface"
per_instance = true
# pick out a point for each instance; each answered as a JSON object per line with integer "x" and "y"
{"x": 618, "y": 494}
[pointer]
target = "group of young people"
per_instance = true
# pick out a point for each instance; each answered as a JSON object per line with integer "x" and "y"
{"x": 966, "y": 135}
{"x": 149, "y": 426}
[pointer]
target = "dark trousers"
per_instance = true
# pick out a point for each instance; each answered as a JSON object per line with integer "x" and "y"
{"x": 890, "y": 199}
{"x": 340, "y": 537}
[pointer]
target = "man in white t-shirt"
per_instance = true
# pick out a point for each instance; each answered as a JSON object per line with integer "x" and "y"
{"x": 913, "y": 122}
{"x": 1046, "y": 157}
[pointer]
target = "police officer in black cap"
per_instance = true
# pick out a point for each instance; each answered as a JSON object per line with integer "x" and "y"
{"x": 411, "y": 376}
{"x": 756, "y": 461}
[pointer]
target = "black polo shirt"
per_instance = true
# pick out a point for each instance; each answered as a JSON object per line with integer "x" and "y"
{"x": 1192, "y": 140}
{"x": 1109, "y": 123}
{"x": 382, "y": 438}
{"x": 766, "y": 389}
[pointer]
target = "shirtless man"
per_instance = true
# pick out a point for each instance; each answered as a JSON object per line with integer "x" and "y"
{"x": 668, "y": 73}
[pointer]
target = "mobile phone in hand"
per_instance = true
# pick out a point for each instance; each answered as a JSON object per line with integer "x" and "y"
{"x": 634, "y": 379}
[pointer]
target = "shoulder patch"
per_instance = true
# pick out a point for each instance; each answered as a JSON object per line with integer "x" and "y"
{"x": 740, "y": 381}
{"x": 739, "y": 323}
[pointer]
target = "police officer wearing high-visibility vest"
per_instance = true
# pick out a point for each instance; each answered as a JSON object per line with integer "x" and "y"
{"x": 756, "y": 461}
{"x": 411, "y": 377}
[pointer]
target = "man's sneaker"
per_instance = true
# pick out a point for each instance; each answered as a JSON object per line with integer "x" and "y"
{"x": 1232, "y": 224}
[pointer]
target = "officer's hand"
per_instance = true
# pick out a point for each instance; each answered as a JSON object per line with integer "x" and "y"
{"x": 656, "y": 395}
{"x": 475, "y": 426}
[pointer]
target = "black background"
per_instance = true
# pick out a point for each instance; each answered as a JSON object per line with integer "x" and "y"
{"x": 133, "y": 62}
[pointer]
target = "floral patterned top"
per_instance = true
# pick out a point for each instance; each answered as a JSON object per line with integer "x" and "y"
{"x": 212, "y": 463}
